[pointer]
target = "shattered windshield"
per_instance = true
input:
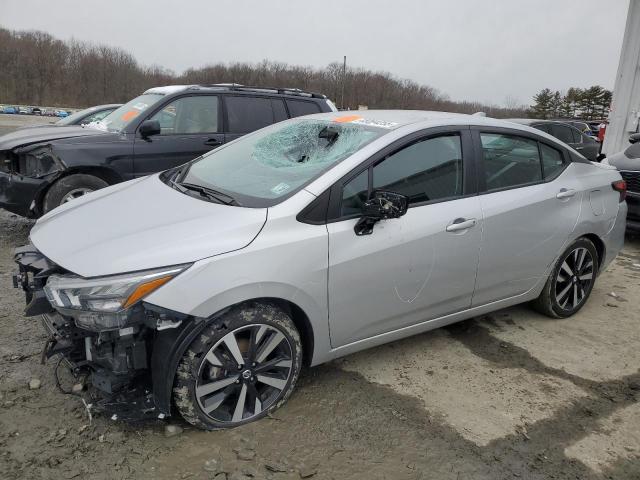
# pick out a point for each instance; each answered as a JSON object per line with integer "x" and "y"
{"x": 116, "y": 120}
{"x": 278, "y": 160}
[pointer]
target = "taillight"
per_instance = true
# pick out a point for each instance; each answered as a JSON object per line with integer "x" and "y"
{"x": 620, "y": 186}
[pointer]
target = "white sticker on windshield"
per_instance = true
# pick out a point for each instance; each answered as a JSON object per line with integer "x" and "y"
{"x": 375, "y": 123}
{"x": 280, "y": 188}
{"x": 140, "y": 106}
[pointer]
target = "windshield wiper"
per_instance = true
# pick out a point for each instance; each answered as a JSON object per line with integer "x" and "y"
{"x": 209, "y": 193}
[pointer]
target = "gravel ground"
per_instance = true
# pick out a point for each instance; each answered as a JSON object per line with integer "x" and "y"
{"x": 11, "y": 122}
{"x": 510, "y": 395}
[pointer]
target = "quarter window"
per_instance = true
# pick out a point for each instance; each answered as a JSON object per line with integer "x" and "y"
{"x": 552, "y": 161}
{"x": 355, "y": 193}
{"x": 510, "y": 161}
{"x": 197, "y": 114}
{"x": 247, "y": 114}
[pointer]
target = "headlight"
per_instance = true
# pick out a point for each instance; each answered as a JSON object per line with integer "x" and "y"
{"x": 38, "y": 162}
{"x": 104, "y": 303}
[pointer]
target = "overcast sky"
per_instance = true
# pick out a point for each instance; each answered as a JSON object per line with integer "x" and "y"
{"x": 469, "y": 49}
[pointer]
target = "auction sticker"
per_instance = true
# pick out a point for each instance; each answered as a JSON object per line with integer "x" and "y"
{"x": 280, "y": 188}
{"x": 357, "y": 119}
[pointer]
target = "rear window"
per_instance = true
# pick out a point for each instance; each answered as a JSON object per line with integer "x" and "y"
{"x": 297, "y": 108}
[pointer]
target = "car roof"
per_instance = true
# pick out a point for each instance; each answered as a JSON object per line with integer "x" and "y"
{"x": 234, "y": 87}
{"x": 392, "y": 119}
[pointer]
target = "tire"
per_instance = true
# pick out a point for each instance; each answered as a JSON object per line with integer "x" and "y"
{"x": 74, "y": 186}
{"x": 212, "y": 390}
{"x": 566, "y": 291}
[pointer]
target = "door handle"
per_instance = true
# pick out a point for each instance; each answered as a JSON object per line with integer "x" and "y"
{"x": 566, "y": 193}
{"x": 213, "y": 142}
{"x": 579, "y": 148}
{"x": 461, "y": 224}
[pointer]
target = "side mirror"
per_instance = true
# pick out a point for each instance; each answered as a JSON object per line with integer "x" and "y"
{"x": 381, "y": 206}
{"x": 149, "y": 128}
{"x": 634, "y": 138}
{"x": 600, "y": 157}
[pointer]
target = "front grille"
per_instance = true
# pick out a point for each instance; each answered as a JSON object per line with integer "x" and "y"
{"x": 632, "y": 179}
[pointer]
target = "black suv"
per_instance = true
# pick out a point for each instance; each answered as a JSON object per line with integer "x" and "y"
{"x": 42, "y": 168}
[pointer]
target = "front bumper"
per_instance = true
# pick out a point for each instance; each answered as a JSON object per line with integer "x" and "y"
{"x": 18, "y": 194}
{"x": 116, "y": 364}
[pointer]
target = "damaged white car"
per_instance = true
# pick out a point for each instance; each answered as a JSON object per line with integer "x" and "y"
{"x": 204, "y": 289}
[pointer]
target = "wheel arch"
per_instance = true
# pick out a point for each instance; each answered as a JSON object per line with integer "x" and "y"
{"x": 103, "y": 173}
{"x": 170, "y": 345}
{"x": 601, "y": 249}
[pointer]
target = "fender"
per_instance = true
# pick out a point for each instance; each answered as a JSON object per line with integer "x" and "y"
{"x": 168, "y": 348}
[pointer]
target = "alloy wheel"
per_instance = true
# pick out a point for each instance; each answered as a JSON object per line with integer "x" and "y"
{"x": 575, "y": 279}
{"x": 244, "y": 373}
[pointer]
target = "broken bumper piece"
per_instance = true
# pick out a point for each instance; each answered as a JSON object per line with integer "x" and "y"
{"x": 114, "y": 365}
{"x": 116, "y": 369}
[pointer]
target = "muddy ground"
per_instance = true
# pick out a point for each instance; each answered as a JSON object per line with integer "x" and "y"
{"x": 512, "y": 395}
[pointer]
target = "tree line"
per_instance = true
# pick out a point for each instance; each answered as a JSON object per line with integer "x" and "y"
{"x": 588, "y": 104}
{"x": 38, "y": 69}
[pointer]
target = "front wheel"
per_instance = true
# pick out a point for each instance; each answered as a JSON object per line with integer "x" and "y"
{"x": 239, "y": 369}
{"x": 69, "y": 188}
{"x": 571, "y": 281}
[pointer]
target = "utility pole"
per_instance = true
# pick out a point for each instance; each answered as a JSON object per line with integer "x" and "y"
{"x": 344, "y": 76}
{"x": 625, "y": 107}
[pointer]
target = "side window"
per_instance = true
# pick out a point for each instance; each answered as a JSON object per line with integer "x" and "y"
{"x": 552, "y": 161}
{"x": 355, "y": 193}
{"x": 510, "y": 161}
{"x": 246, "y": 114}
{"x": 562, "y": 133}
{"x": 279, "y": 112}
{"x": 427, "y": 170}
{"x": 297, "y": 108}
{"x": 197, "y": 114}
{"x": 543, "y": 127}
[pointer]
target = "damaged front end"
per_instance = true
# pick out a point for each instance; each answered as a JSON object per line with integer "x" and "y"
{"x": 25, "y": 172}
{"x": 101, "y": 329}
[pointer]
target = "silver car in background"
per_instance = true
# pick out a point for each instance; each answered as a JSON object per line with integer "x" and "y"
{"x": 204, "y": 289}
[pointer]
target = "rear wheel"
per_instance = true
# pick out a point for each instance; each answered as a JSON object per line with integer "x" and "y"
{"x": 239, "y": 369}
{"x": 69, "y": 188}
{"x": 571, "y": 281}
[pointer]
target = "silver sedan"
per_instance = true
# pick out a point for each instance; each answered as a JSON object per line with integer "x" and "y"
{"x": 203, "y": 290}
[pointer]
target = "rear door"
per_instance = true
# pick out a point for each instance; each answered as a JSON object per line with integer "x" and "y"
{"x": 245, "y": 114}
{"x": 190, "y": 126}
{"x": 413, "y": 268}
{"x": 530, "y": 204}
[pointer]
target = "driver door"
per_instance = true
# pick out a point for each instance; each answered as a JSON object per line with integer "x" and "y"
{"x": 189, "y": 127}
{"x": 414, "y": 268}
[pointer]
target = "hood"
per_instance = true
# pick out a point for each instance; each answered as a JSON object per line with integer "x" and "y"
{"x": 622, "y": 162}
{"x": 45, "y": 133}
{"x": 141, "y": 224}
